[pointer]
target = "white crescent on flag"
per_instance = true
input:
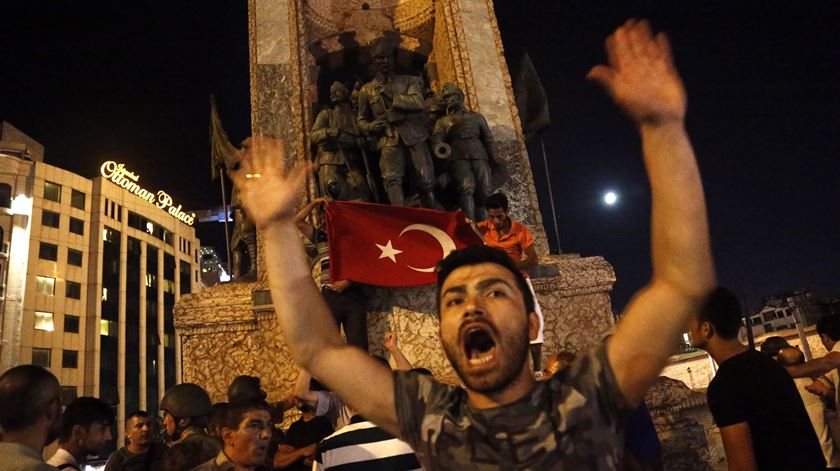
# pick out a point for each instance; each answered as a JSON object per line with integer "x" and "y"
{"x": 445, "y": 241}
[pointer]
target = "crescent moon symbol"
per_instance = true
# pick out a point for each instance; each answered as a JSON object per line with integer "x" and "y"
{"x": 446, "y": 242}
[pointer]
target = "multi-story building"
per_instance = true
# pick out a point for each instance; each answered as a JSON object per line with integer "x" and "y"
{"x": 90, "y": 270}
{"x": 779, "y": 312}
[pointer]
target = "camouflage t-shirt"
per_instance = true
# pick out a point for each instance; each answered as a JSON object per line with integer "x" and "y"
{"x": 572, "y": 421}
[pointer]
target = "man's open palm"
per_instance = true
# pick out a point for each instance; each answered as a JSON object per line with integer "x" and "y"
{"x": 268, "y": 190}
{"x": 640, "y": 75}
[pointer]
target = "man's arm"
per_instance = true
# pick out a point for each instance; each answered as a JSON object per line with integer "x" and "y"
{"x": 392, "y": 346}
{"x": 642, "y": 80}
{"x": 530, "y": 260}
{"x": 308, "y": 230}
{"x": 304, "y": 319}
{"x": 816, "y": 367}
{"x": 302, "y": 392}
{"x": 737, "y": 443}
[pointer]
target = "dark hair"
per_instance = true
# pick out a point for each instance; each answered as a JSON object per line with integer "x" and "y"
{"x": 245, "y": 387}
{"x": 497, "y": 200}
{"x": 422, "y": 371}
{"x": 475, "y": 255}
{"x": 235, "y": 412}
{"x": 137, "y": 413}
{"x": 25, "y": 393}
{"x": 829, "y": 325}
{"x": 723, "y": 311}
{"x": 84, "y": 412}
{"x": 772, "y": 345}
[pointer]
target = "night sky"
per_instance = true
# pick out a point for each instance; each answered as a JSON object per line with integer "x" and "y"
{"x": 130, "y": 81}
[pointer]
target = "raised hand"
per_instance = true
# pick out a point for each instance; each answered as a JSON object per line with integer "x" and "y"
{"x": 390, "y": 341}
{"x": 268, "y": 190}
{"x": 640, "y": 75}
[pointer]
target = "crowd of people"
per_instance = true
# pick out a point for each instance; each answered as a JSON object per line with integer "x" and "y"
{"x": 583, "y": 411}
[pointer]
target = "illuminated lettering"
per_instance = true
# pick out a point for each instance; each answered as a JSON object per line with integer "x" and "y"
{"x": 120, "y": 176}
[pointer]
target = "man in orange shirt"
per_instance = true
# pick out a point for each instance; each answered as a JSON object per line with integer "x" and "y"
{"x": 515, "y": 239}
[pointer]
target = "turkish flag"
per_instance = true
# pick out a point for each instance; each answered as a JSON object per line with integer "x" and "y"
{"x": 386, "y": 245}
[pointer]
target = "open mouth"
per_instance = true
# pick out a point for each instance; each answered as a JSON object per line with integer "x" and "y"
{"x": 479, "y": 345}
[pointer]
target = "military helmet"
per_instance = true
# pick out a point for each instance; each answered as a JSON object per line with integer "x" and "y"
{"x": 244, "y": 388}
{"x": 186, "y": 400}
{"x": 451, "y": 89}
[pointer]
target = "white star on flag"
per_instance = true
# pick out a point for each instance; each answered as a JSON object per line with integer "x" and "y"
{"x": 388, "y": 251}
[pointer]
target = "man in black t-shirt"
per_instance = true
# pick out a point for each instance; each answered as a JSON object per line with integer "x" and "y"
{"x": 298, "y": 449}
{"x": 762, "y": 421}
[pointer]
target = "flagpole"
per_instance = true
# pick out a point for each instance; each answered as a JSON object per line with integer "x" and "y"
{"x": 550, "y": 195}
{"x": 225, "y": 212}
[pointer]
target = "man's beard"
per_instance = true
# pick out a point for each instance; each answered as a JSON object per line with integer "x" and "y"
{"x": 514, "y": 349}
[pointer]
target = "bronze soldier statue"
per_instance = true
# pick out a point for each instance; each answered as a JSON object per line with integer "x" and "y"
{"x": 392, "y": 110}
{"x": 339, "y": 157}
{"x": 464, "y": 137}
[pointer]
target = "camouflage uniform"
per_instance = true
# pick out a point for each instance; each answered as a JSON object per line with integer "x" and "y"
{"x": 572, "y": 421}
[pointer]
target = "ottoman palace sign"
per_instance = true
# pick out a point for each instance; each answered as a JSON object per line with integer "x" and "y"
{"x": 121, "y": 177}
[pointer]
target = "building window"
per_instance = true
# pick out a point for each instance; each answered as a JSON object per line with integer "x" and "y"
{"x": 50, "y": 219}
{"x": 41, "y": 357}
{"x": 168, "y": 286}
{"x": 73, "y": 290}
{"x": 109, "y": 235}
{"x": 48, "y": 252}
{"x": 71, "y": 324}
{"x": 5, "y": 195}
{"x": 169, "y": 340}
{"x": 45, "y": 285}
{"x": 74, "y": 257}
{"x": 44, "y": 321}
{"x": 52, "y": 192}
{"x": 104, "y": 293}
{"x": 68, "y": 394}
{"x": 77, "y": 199}
{"x": 77, "y": 226}
{"x": 69, "y": 359}
{"x": 107, "y": 328}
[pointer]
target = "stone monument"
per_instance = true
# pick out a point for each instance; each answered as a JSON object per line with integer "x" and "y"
{"x": 298, "y": 49}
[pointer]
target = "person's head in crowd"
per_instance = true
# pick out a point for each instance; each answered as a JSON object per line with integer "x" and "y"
{"x": 216, "y": 419}
{"x": 244, "y": 388}
{"x": 183, "y": 406}
{"x": 828, "y": 327}
{"x": 30, "y": 406}
{"x": 557, "y": 362}
{"x": 781, "y": 351}
{"x": 486, "y": 319}
{"x": 139, "y": 433}
{"x": 246, "y": 433}
{"x": 718, "y": 321}
{"x": 86, "y": 427}
{"x": 497, "y": 209}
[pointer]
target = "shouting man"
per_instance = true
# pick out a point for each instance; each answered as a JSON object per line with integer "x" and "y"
{"x": 503, "y": 418}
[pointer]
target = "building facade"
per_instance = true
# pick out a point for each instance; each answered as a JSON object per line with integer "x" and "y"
{"x": 90, "y": 271}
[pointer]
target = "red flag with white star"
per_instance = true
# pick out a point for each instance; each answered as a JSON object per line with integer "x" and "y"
{"x": 385, "y": 245}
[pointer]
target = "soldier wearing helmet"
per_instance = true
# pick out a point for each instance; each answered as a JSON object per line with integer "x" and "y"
{"x": 338, "y": 154}
{"x": 464, "y": 138}
{"x": 183, "y": 413}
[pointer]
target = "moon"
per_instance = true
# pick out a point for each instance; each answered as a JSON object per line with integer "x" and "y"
{"x": 610, "y": 198}
{"x": 446, "y": 242}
